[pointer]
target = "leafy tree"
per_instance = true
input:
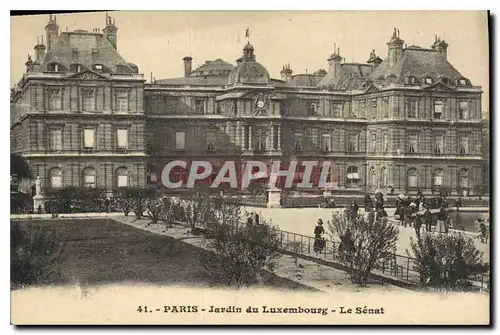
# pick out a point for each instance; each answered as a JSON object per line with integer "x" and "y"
{"x": 447, "y": 261}
{"x": 199, "y": 207}
{"x": 19, "y": 166}
{"x": 370, "y": 240}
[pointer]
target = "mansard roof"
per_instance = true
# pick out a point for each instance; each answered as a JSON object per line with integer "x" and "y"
{"x": 85, "y": 48}
{"x": 416, "y": 62}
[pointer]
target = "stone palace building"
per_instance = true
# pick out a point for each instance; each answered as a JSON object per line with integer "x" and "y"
{"x": 83, "y": 116}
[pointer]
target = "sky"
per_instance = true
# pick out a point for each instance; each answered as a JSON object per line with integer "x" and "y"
{"x": 158, "y": 40}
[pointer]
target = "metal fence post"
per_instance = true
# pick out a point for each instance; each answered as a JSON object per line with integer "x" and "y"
{"x": 407, "y": 268}
{"x": 301, "y": 243}
{"x": 309, "y": 242}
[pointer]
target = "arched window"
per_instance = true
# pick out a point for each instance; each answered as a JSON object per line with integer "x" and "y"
{"x": 438, "y": 177}
{"x": 352, "y": 176}
{"x": 412, "y": 178}
{"x": 56, "y": 179}
{"x": 373, "y": 177}
{"x": 463, "y": 178}
{"x": 122, "y": 177}
{"x": 383, "y": 177}
{"x": 89, "y": 177}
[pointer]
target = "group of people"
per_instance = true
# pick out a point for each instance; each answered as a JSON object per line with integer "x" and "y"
{"x": 252, "y": 219}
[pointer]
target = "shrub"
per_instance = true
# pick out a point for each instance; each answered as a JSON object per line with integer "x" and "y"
{"x": 33, "y": 253}
{"x": 134, "y": 199}
{"x": 75, "y": 199}
{"x": 447, "y": 260}
{"x": 370, "y": 241}
{"x": 242, "y": 253}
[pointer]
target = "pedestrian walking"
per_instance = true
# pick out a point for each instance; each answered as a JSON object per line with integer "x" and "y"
{"x": 319, "y": 241}
{"x": 440, "y": 226}
{"x": 428, "y": 219}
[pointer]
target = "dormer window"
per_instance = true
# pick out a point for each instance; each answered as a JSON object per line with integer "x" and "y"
{"x": 75, "y": 68}
{"x": 428, "y": 80}
{"x": 98, "y": 67}
{"x": 53, "y": 67}
{"x": 410, "y": 80}
{"x": 445, "y": 80}
{"x": 462, "y": 82}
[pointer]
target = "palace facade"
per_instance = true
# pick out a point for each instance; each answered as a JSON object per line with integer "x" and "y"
{"x": 83, "y": 116}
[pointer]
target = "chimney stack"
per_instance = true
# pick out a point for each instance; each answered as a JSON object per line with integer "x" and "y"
{"x": 286, "y": 73}
{"x": 39, "y": 49}
{"x": 187, "y": 65}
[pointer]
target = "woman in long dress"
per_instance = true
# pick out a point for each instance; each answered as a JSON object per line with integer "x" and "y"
{"x": 440, "y": 226}
{"x": 319, "y": 242}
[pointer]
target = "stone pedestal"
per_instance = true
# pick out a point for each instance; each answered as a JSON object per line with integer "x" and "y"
{"x": 273, "y": 198}
{"x": 38, "y": 199}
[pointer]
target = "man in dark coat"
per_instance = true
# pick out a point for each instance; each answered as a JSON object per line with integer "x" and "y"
{"x": 354, "y": 210}
{"x": 427, "y": 219}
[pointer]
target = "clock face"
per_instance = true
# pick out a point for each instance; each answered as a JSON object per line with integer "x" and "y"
{"x": 260, "y": 103}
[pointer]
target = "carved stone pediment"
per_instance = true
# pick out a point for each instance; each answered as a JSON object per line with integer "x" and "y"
{"x": 87, "y": 75}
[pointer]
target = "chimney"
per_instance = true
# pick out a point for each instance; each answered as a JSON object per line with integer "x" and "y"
{"x": 334, "y": 61}
{"x": 286, "y": 73}
{"x": 187, "y": 65}
{"x": 440, "y": 46}
{"x": 395, "y": 48}
{"x": 39, "y": 49}
{"x": 110, "y": 31}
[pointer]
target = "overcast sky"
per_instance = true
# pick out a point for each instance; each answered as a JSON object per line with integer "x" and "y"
{"x": 158, "y": 40}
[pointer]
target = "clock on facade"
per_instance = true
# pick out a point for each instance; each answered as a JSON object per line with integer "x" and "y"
{"x": 261, "y": 104}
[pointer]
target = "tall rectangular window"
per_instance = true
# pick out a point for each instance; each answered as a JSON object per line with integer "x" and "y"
{"x": 385, "y": 144}
{"x": 463, "y": 110}
{"x": 122, "y": 138}
{"x": 373, "y": 143}
{"x": 246, "y": 137}
{"x": 312, "y": 107}
{"x": 412, "y": 109}
{"x": 412, "y": 143}
{"x": 439, "y": 144}
{"x": 276, "y": 144}
{"x": 298, "y": 141}
{"x": 180, "y": 140}
{"x": 438, "y": 109}
{"x": 326, "y": 142}
{"x": 88, "y": 100}
{"x": 54, "y": 99}
{"x": 55, "y": 139}
{"x": 352, "y": 143}
{"x": 211, "y": 141}
{"x": 170, "y": 105}
{"x": 122, "y": 101}
{"x": 464, "y": 145}
{"x": 199, "y": 106}
{"x": 88, "y": 138}
{"x": 336, "y": 109}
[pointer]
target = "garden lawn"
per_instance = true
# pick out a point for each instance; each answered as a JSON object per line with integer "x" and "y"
{"x": 102, "y": 251}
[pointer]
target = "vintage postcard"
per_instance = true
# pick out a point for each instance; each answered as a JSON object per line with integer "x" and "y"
{"x": 254, "y": 168}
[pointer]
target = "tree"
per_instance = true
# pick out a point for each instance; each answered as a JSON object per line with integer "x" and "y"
{"x": 369, "y": 241}
{"x": 19, "y": 166}
{"x": 199, "y": 208}
{"x": 447, "y": 260}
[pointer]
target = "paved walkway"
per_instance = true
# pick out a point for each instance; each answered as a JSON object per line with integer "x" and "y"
{"x": 321, "y": 277}
{"x": 303, "y": 220}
